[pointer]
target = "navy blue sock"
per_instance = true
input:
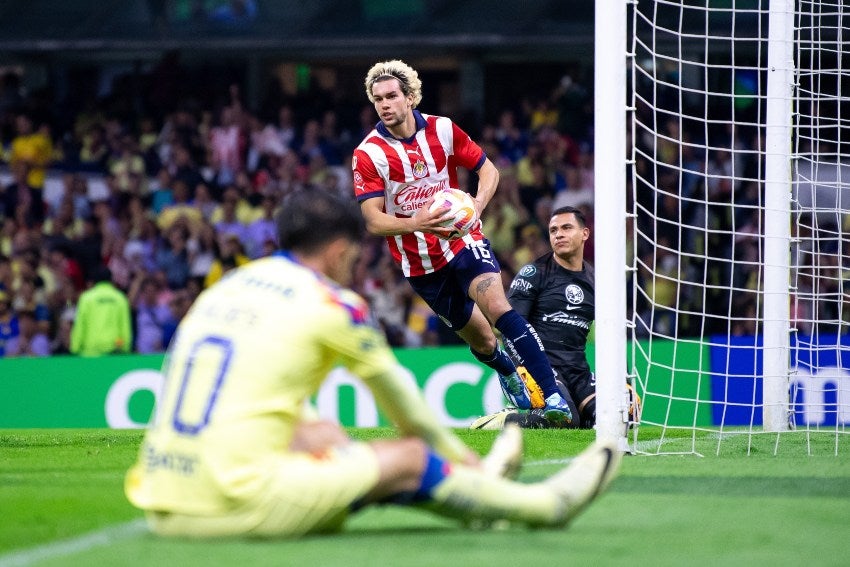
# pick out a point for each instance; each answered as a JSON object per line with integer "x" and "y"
{"x": 436, "y": 470}
{"x": 498, "y": 361}
{"x": 524, "y": 344}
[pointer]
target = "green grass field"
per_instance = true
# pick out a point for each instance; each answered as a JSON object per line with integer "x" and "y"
{"x": 61, "y": 503}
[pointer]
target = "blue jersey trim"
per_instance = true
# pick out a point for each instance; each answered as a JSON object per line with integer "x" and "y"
{"x": 371, "y": 195}
{"x": 420, "y": 124}
{"x": 480, "y": 163}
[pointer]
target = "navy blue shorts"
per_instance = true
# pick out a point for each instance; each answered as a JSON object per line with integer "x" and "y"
{"x": 445, "y": 290}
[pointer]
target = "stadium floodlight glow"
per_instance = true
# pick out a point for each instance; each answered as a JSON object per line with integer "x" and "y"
{"x": 732, "y": 215}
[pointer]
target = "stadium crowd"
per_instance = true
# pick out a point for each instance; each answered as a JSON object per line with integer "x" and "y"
{"x": 169, "y": 193}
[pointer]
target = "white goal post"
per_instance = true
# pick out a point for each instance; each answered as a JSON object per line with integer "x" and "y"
{"x": 723, "y": 240}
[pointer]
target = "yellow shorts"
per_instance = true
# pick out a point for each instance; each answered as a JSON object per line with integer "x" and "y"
{"x": 306, "y": 495}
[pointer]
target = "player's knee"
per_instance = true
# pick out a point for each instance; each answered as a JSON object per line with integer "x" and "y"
{"x": 401, "y": 462}
{"x": 588, "y": 414}
{"x": 494, "y": 307}
{"x": 482, "y": 341}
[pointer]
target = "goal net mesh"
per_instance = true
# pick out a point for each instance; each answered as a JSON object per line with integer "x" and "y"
{"x": 696, "y": 229}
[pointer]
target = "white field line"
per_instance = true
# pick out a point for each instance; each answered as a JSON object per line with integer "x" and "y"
{"x": 65, "y": 547}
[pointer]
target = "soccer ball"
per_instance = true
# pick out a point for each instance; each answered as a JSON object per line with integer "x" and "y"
{"x": 462, "y": 207}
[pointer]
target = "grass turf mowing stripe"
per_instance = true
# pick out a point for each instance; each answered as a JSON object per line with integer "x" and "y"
{"x": 71, "y": 546}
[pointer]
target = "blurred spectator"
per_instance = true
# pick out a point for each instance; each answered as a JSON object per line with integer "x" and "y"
{"x": 512, "y": 141}
{"x": 231, "y": 255}
{"x": 161, "y": 192}
{"x": 226, "y": 146}
{"x": 263, "y": 229}
{"x": 178, "y": 306}
{"x": 180, "y": 207}
{"x": 533, "y": 177}
{"x": 503, "y": 215}
{"x": 204, "y": 201}
{"x": 128, "y": 166}
{"x": 64, "y": 224}
{"x": 173, "y": 257}
{"x": 9, "y": 328}
{"x": 149, "y": 315}
{"x": 285, "y": 128}
{"x": 182, "y": 168}
{"x": 94, "y": 151}
{"x": 61, "y": 343}
{"x": 203, "y": 249}
{"x": 64, "y": 266}
{"x": 32, "y": 149}
{"x": 20, "y": 200}
{"x": 31, "y": 340}
{"x": 574, "y": 106}
{"x": 228, "y": 223}
{"x": 103, "y": 319}
{"x": 5, "y": 273}
{"x": 530, "y": 246}
{"x": 30, "y": 298}
{"x": 390, "y": 296}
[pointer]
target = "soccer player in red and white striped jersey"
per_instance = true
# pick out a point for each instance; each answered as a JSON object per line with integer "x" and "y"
{"x": 398, "y": 168}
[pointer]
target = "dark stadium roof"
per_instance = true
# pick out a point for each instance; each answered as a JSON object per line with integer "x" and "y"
{"x": 30, "y": 26}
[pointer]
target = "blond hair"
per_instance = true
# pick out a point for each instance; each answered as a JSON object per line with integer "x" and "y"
{"x": 406, "y": 75}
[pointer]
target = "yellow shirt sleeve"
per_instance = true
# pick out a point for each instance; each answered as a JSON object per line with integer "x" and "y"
{"x": 363, "y": 350}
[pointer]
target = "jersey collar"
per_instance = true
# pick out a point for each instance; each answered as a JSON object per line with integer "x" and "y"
{"x": 420, "y": 124}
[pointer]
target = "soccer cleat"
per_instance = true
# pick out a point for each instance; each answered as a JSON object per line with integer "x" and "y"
{"x": 533, "y": 419}
{"x": 534, "y": 390}
{"x": 494, "y": 420}
{"x": 505, "y": 456}
{"x": 515, "y": 390}
{"x": 557, "y": 411}
{"x": 587, "y": 476}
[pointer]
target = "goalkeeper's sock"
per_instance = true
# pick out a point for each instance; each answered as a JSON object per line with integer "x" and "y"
{"x": 498, "y": 360}
{"x": 523, "y": 342}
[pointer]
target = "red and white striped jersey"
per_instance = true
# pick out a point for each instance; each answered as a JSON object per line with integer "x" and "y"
{"x": 407, "y": 173}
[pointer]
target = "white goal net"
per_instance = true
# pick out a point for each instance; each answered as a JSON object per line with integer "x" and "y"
{"x": 738, "y": 228}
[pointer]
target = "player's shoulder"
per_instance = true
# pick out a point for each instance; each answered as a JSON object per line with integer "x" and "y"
{"x": 277, "y": 274}
{"x": 370, "y": 153}
{"x": 355, "y": 307}
{"x": 368, "y": 139}
{"x": 286, "y": 278}
{"x": 546, "y": 260}
{"x": 588, "y": 272}
{"x": 537, "y": 268}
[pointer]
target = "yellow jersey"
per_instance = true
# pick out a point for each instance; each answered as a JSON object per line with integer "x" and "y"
{"x": 246, "y": 359}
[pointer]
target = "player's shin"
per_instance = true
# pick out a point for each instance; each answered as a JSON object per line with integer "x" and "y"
{"x": 512, "y": 385}
{"x": 523, "y": 342}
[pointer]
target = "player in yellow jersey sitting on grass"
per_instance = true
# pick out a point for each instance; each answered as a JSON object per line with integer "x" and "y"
{"x": 234, "y": 451}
